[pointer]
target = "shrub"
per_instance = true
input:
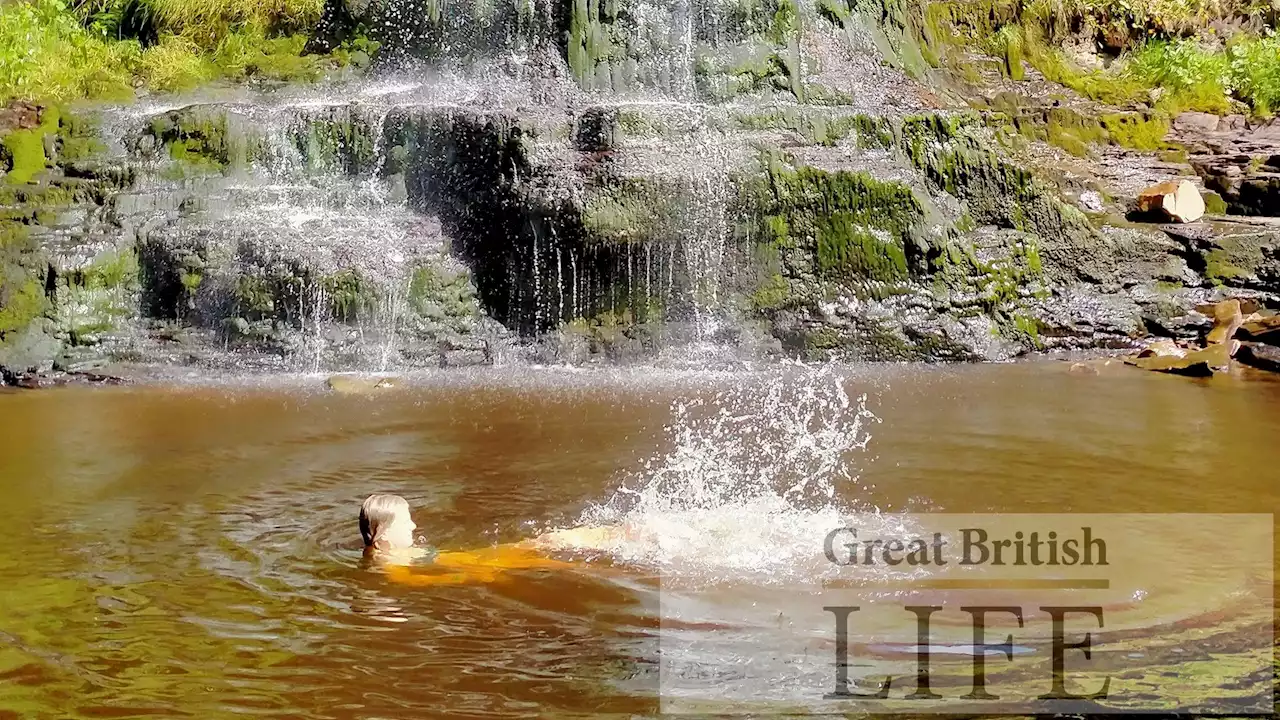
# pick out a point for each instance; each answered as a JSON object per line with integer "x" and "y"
{"x": 1255, "y": 70}
{"x": 1192, "y": 77}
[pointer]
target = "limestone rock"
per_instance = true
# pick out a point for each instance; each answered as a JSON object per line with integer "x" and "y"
{"x": 1263, "y": 357}
{"x": 1197, "y": 363}
{"x": 1178, "y": 201}
{"x": 1227, "y": 318}
{"x": 1265, "y": 328}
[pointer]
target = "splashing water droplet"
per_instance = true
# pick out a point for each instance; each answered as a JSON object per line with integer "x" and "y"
{"x": 755, "y": 476}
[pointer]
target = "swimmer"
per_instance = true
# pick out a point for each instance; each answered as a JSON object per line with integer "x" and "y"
{"x": 387, "y": 529}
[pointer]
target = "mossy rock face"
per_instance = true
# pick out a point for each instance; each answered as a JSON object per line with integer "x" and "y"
{"x": 24, "y": 342}
{"x": 202, "y": 138}
{"x": 841, "y": 225}
{"x": 54, "y": 170}
{"x": 952, "y": 154}
{"x": 539, "y": 256}
{"x": 338, "y": 139}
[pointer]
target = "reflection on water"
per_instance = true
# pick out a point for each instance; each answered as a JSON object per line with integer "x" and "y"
{"x": 193, "y": 550}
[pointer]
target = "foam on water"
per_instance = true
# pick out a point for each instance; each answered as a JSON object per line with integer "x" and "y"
{"x": 754, "y": 477}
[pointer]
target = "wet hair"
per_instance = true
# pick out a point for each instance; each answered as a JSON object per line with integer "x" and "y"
{"x": 377, "y": 513}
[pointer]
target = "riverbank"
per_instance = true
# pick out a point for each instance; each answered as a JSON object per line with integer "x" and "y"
{"x": 798, "y": 182}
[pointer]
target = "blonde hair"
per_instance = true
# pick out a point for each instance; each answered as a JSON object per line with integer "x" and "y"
{"x": 377, "y": 513}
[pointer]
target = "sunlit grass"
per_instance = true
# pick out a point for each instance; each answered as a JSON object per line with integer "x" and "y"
{"x": 104, "y": 49}
{"x": 175, "y": 63}
{"x": 210, "y": 21}
{"x": 46, "y": 54}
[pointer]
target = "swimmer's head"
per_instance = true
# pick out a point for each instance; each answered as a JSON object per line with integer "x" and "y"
{"x": 385, "y": 523}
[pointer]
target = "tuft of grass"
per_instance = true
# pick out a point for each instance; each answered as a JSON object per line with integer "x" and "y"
{"x": 208, "y": 22}
{"x": 175, "y": 64}
{"x": 47, "y": 54}
{"x": 52, "y": 52}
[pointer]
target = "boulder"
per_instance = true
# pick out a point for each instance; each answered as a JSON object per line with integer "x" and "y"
{"x": 1227, "y": 318}
{"x": 1177, "y": 200}
{"x": 1264, "y": 328}
{"x": 1257, "y": 355}
{"x": 1163, "y": 348}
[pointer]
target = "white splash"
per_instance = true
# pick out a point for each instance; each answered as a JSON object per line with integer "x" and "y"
{"x": 755, "y": 477}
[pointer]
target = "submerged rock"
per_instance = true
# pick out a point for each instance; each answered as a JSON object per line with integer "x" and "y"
{"x": 360, "y": 384}
{"x": 1197, "y": 363}
{"x": 1178, "y": 201}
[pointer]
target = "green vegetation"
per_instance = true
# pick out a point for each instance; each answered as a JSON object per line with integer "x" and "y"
{"x": 624, "y": 212}
{"x": 26, "y": 148}
{"x": 850, "y": 226}
{"x": 53, "y": 51}
{"x": 1167, "y": 56}
{"x": 822, "y": 127}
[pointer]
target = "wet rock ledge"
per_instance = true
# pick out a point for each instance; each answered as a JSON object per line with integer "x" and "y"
{"x": 851, "y": 180}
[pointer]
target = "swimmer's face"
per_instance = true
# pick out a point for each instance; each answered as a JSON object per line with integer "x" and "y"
{"x": 400, "y": 534}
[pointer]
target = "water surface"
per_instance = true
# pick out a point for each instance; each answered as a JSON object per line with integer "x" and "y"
{"x": 192, "y": 550}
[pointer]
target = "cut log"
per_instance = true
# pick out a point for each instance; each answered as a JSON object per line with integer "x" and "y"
{"x": 1177, "y": 201}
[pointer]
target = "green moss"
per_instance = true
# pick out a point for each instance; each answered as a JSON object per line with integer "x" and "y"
{"x": 822, "y": 127}
{"x": 113, "y": 269}
{"x": 1213, "y": 203}
{"x": 948, "y": 150}
{"x": 1027, "y": 328}
{"x": 623, "y": 212}
{"x": 203, "y": 139}
{"x": 1006, "y": 43}
{"x": 20, "y": 304}
{"x": 773, "y": 294}
{"x": 1136, "y": 130}
{"x": 79, "y": 138}
{"x": 190, "y": 280}
{"x": 254, "y": 297}
{"x": 849, "y": 250}
{"x": 1220, "y": 267}
{"x": 849, "y": 227}
{"x": 638, "y": 123}
{"x": 338, "y": 142}
{"x": 349, "y": 296}
{"x": 26, "y": 148}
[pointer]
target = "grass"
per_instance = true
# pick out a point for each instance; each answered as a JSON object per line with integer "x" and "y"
{"x": 46, "y": 53}
{"x": 1185, "y": 74}
{"x": 1217, "y": 56}
{"x": 53, "y": 52}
